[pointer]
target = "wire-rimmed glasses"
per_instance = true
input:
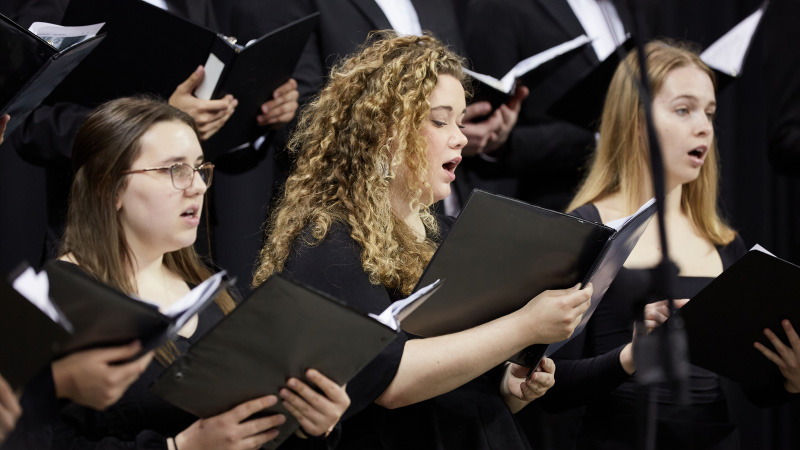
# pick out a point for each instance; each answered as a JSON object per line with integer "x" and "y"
{"x": 183, "y": 174}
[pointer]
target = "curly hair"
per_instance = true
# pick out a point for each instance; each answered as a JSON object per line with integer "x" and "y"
{"x": 621, "y": 161}
{"x": 349, "y": 144}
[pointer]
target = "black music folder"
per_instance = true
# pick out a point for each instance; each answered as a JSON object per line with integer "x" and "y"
{"x": 31, "y": 68}
{"x": 582, "y": 104}
{"x": 724, "y": 319}
{"x": 31, "y": 339}
{"x": 103, "y": 316}
{"x": 503, "y": 252}
{"x": 498, "y": 92}
{"x": 152, "y": 51}
{"x": 282, "y": 329}
{"x": 251, "y": 74}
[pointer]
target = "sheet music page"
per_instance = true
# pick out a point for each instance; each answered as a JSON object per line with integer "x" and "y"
{"x": 63, "y": 37}
{"x": 619, "y": 223}
{"x": 759, "y": 248}
{"x": 506, "y": 84}
{"x": 197, "y": 295}
{"x": 212, "y": 72}
{"x": 391, "y": 315}
{"x": 727, "y": 54}
{"x": 36, "y": 288}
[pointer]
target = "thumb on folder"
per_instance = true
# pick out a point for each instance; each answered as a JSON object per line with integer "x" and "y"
{"x": 210, "y": 115}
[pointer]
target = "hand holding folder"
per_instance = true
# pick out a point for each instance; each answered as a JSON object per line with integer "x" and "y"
{"x": 728, "y": 316}
{"x": 494, "y": 267}
{"x": 276, "y": 334}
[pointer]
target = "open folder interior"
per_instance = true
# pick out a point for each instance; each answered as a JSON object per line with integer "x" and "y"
{"x": 152, "y": 51}
{"x": 31, "y": 67}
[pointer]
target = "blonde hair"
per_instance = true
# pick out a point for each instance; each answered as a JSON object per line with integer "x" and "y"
{"x": 351, "y": 139}
{"x": 622, "y": 160}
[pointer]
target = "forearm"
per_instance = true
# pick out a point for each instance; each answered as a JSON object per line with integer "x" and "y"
{"x": 434, "y": 366}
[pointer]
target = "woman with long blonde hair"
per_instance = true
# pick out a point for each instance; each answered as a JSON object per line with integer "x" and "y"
{"x": 375, "y": 149}
{"x": 701, "y": 246}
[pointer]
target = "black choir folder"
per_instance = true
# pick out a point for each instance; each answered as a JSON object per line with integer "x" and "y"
{"x": 502, "y": 252}
{"x": 498, "y": 92}
{"x": 30, "y": 337}
{"x": 102, "y": 316}
{"x": 61, "y": 310}
{"x": 152, "y": 51}
{"x": 279, "y": 331}
{"x": 724, "y": 319}
{"x": 30, "y": 68}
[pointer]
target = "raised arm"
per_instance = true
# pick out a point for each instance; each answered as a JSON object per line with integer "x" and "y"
{"x": 430, "y": 367}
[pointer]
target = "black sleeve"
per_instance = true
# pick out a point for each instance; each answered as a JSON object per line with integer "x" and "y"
{"x": 334, "y": 267}
{"x": 39, "y": 412}
{"x": 45, "y": 138}
{"x": 580, "y": 380}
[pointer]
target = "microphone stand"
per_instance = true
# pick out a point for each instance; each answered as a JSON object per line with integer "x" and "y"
{"x": 663, "y": 356}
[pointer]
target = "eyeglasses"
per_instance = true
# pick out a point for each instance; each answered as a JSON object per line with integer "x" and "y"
{"x": 183, "y": 174}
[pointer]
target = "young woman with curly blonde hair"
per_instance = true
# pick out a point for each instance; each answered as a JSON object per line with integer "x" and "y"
{"x": 374, "y": 151}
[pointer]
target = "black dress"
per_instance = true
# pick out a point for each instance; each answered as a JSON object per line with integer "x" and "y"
{"x": 611, "y": 413}
{"x": 473, "y": 416}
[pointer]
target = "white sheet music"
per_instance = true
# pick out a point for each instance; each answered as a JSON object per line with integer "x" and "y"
{"x": 506, "y": 84}
{"x": 63, "y": 37}
{"x": 398, "y": 310}
{"x": 727, "y": 54}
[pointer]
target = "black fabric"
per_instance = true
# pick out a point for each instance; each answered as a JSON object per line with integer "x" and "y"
{"x": 544, "y": 156}
{"x": 704, "y": 424}
{"x": 39, "y": 412}
{"x": 473, "y": 416}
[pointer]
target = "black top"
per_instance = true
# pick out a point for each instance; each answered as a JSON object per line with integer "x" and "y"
{"x": 610, "y": 393}
{"x": 473, "y": 416}
{"x": 39, "y": 410}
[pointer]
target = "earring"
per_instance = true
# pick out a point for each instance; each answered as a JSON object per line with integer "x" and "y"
{"x": 384, "y": 168}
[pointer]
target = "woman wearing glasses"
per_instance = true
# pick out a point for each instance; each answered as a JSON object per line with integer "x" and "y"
{"x": 135, "y": 205}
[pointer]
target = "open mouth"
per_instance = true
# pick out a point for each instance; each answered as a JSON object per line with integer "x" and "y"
{"x": 451, "y": 165}
{"x": 191, "y": 212}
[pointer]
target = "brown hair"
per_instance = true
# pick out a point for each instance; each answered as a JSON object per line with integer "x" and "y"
{"x": 106, "y": 145}
{"x": 351, "y": 139}
{"x": 622, "y": 160}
